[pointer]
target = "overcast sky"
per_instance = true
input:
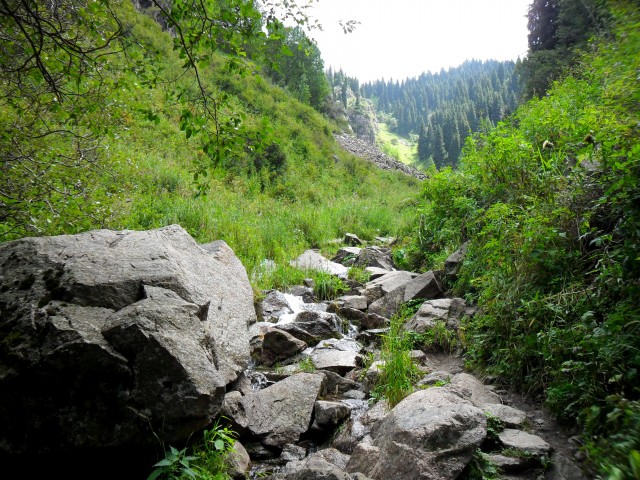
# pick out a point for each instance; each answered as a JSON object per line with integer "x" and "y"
{"x": 403, "y": 38}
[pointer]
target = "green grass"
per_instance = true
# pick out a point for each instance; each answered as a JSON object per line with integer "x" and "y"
{"x": 400, "y": 148}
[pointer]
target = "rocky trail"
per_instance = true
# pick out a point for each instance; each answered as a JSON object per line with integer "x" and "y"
{"x": 433, "y": 433}
{"x": 114, "y": 340}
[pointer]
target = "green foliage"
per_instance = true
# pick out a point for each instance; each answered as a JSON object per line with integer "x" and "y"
{"x": 480, "y": 468}
{"x": 554, "y": 234}
{"x": 359, "y": 274}
{"x": 205, "y": 460}
{"x": 399, "y": 372}
{"x": 442, "y": 109}
{"x": 327, "y": 286}
{"x": 306, "y": 365}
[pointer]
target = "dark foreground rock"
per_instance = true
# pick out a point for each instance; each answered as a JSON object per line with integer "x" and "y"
{"x": 113, "y": 338}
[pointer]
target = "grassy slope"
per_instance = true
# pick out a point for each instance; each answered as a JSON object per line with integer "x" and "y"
{"x": 146, "y": 176}
{"x": 397, "y": 147}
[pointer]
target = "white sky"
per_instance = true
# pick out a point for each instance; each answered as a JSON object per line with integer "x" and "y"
{"x": 404, "y": 38}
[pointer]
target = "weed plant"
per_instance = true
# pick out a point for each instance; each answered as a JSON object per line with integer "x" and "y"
{"x": 399, "y": 372}
{"x": 206, "y": 460}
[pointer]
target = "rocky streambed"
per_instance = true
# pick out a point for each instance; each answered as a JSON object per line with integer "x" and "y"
{"x": 116, "y": 343}
{"x": 307, "y": 408}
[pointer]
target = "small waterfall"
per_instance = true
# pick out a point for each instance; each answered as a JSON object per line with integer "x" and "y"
{"x": 297, "y": 305}
{"x": 258, "y": 379}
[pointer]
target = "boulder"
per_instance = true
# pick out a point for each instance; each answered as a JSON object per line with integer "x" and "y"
{"x": 328, "y": 415}
{"x": 511, "y": 417}
{"x": 524, "y": 442}
{"x": 357, "y": 302}
{"x": 279, "y": 345}
{"x": 278, "y": 414}
{"x": 379, "y": 257}
{"x": 113, "y": 336}
{"x": 238, "y": 461}
{"x": 425, "y": 286}
{"x": 352, "y": 239}
{"x": 469, "y": 387}
{"x": 312, "y": 260}
{"x": 373, "y": 321}
{"x": 375, "y": 272}
{"x": 454, "y": 261}
{"x": 430, "y": 434}
{"x": 314, "y": 467}
{"x": 447, "y": 310}
{"x": 339, "y": 356}
{"x": 346, "y": 256}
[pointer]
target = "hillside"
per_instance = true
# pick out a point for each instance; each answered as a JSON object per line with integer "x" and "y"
{"x": 132, "y": 149}
{"x": 123, "y": 118}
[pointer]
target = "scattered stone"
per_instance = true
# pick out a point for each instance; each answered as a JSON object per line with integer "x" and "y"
{"x": 312, "y": 260}
{"x": 454, "y": 261}
{"x": 346, "y": 256}
{"x": 448, "y": 310}
{"x": 238, "y": 461}
{"x": 376, "y": 272}
{"x": 425, "y": 286}
{"x": 511, "y": 417}
{"x": 279, "y": 345}
{"x": 375, "y": 257}
{"x": 512, "y": 464}
{"x": 329, "y": 415}
{"x": 524, "y": 442}
{"x": 352, "y": 239}
{"x": 292, "y": 453}
{"x": 357, "y": 302}
{"x": 373, "y": 321}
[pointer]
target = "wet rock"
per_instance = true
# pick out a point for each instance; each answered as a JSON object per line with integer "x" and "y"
{"x": 373, "y": 321}
{"x": 274, "y": 305}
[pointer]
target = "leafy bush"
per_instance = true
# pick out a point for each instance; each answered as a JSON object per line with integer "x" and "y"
{"x": 207, "y": 460}
{"x": 554, "y": 235}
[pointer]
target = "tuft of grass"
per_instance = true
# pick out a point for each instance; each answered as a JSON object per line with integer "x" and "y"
{"x": 399, "y": 372}
{"x": 327, "y": 286}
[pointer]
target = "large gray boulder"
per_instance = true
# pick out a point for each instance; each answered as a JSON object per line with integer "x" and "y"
{"x": 110, "y": 337}
{"x": 430, "y": 434}
{"x": 278, "y": 414}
